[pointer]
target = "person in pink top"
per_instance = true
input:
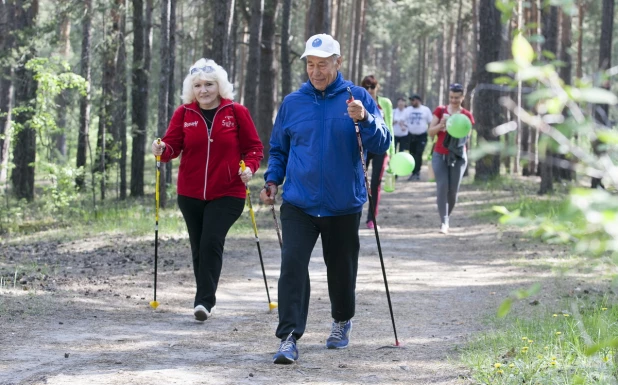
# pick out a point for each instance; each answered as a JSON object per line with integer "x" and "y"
{"x": 449, "y": 169}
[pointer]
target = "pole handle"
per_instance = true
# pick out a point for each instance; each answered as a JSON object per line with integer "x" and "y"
{"x": 158, "y": 156}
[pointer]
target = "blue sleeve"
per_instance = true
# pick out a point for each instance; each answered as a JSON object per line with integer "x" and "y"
{"x": 374, "y": 132}
{"x": 279, "y": 150}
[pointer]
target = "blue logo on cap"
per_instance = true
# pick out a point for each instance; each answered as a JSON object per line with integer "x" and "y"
{"x": 317, "y": 42}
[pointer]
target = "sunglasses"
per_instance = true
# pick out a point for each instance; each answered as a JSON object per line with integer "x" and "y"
{"x": 206, "y": 69}
{"x": 368, "y": 87}
{"x": 456, "y": 87}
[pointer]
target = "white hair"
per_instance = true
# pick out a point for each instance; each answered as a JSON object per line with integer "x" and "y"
{"x": 219, "y": 75}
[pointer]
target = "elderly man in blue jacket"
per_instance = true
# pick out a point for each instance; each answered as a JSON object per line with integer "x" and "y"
{"x": 314, "y": 149}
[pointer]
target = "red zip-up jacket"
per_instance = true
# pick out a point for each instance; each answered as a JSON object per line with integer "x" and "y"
{"x": 209, "y": 164}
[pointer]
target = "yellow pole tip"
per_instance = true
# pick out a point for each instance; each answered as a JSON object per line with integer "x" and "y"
{"x": 272, "y": 305}
{"x": 154, "y": 304}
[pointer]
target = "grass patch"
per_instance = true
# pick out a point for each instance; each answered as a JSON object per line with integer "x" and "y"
{"x": 22, "y": 221}
{"x": 549, "y": 348}
{"x": 549, "y": 207}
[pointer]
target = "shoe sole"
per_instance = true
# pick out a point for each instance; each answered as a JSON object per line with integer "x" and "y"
{"x": 283, "y": 360}
{"x": 200, "y": 315}
{"x": 337, "y": 347}
{"x": 203, "y": 315}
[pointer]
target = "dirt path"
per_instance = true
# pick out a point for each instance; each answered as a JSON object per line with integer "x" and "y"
{"x": 89, "y": 322}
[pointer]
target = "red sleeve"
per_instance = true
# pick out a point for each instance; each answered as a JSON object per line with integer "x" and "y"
{"x": 174, "y": 136}
{"x": 438, "y": 112}
{"x": 251, "y": 148}
{"x": 468, "y": 114}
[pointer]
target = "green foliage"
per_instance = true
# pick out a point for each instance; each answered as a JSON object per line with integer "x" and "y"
{"x": 59, "y": 194}
{"x": 588, "y": 220}
{"x": 554, "y": 347}
{"x": 53, "y": 76}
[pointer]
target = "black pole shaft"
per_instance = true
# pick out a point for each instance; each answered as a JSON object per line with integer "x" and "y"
{"x": 272, "y": 208}
{"x": 263, "y": 271}
{"x": 156, "y": 257}
{"x": 257, "y": 241}
{"x": 375, "y": 222}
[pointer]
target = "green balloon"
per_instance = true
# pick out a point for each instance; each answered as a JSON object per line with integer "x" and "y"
{"x": 401, "y": 164}
{"x": 458, "y": 126}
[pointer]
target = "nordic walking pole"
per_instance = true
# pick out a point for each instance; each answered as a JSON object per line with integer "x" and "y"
{"x": 272, "y": 209}
{"x": 154, "y": 304}
{"x": 375, "y": 223}
{"x": 271, "y": 304}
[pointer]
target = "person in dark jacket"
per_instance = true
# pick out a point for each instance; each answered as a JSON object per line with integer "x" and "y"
{"x": 314, "y": 148}
{"x": 213, "y": 134}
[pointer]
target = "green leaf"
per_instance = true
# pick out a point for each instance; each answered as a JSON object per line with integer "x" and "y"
{"x": 505, "y": 307}
{"x": 578, "y": 380}
{"x": 523, "y": 53}
{"x": 548, "y": 54}
{"x": 503, "y": 80}
{"x": 608, "y": 343}
{"x": 499, "y": 67}
{"x": 609, "y": 137}
{"x": 596, "y": 96}
{"x": 529, "y": 73}
{"x": 501, "y": 210}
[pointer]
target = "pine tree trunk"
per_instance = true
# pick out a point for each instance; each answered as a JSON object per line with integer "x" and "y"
{"x": 580, "y": 39}
{"x": 448, "y": 56}
{"x": 268, "y": 73}
{"x": 120, "y": 97}
{"x": 223, "y": 13}
{"x": 84, "y": 103}
{"x": 164, "y": 59}
{"x": 286, "y": 64}
{"x": 62, "y": 100}
{"x": 171, "y": 89}
{"x": 24, "y": 151}
{"x": 334, "y": 18}
{"x": 139, "y": 100}
{"x": 566, "y": 173}
{"x": 6, "y": 87}
{"x": 605, "y": 51}
{"x": 549, "y": 25}
{"x": 459, "y": 53}
{"x": 440, "y": 74}
{"x": 487, "y": 111}
{"x": 533, "y": 164}
{"x": 605, "y": 61}
{"x": 253, "y": 63}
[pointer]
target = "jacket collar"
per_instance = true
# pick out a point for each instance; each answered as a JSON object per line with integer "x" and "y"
{"x": 337, "y": 86}
{"x": 196, "y": 106}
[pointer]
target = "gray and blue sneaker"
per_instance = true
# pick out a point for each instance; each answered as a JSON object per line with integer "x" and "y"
{"x": 287, "y": 353}
{"x": 339, "y": 335}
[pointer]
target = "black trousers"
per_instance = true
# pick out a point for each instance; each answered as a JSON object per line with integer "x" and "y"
{"x": 340, "y": 246}
{"x": 417, "y": 146}
{"x": 208, "y": 223}
{"x": 402, "y": 143}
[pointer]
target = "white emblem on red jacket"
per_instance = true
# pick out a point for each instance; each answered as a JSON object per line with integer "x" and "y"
{"x": 228, "y": 121}
{"x": 189, "y": 124}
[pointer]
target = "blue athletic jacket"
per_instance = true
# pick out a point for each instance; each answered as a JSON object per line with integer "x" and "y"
{"x": 313, "y": 146}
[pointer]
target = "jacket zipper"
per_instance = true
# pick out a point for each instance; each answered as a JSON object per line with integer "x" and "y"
{"x": 322, "y": 163}
{"x": 209, "y": 141}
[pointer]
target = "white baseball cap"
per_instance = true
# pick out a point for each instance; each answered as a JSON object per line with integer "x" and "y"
{"x": 321, "y": 45}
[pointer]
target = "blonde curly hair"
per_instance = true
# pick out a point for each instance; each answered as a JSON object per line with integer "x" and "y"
{"x": 215, "y": 73}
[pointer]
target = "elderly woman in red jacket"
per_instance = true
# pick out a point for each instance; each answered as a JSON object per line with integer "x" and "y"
{"x": 213, "y": 134}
